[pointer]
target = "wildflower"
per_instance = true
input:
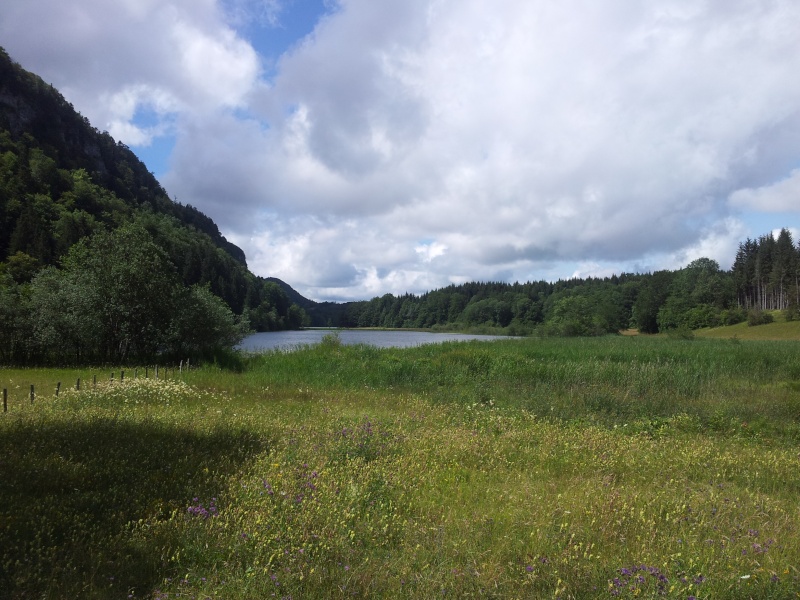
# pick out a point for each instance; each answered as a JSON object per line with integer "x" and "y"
{"x": 198, "y": 510}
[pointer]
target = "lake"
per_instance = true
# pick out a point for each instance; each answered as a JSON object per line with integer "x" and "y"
{"x": 288, "y": 340}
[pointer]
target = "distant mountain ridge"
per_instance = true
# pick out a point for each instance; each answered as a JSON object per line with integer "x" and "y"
{"x": 321, "y": 314}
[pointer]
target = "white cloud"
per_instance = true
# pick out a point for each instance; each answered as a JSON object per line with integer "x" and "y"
{"x": 409, "y": 144}
{"x": 110, "y": 58}
{"x": 719, "y": 243}
{"x": 430, "y": 251}
{"x": 781, "y": 196}
{"x": 123, "y": 105}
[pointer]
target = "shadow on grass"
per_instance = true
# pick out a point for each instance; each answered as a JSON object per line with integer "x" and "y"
{"x": 70, "y": 492}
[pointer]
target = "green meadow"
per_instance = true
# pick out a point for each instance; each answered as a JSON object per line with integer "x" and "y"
{"x": 643, "y": 467}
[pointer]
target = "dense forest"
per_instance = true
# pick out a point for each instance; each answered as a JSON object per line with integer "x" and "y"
{"x": 764, "y": 277}
{"x": 98, "y": 264}
{"x": 67, "y": 188}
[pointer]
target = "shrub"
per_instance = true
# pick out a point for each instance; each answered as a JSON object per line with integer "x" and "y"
{"x": 792, "y": 312}
{"x": 331, "y": 340}
{"x": 681, "y": 333}
{"x": 702, "y": 315}
{"x": 758, "y": 317}
{"x": 733, "y": 316}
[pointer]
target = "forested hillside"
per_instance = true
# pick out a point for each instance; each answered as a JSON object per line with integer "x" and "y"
{"x": 63, "y": 182}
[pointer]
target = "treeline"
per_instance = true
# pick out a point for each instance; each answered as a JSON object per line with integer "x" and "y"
{"x": 766, "y": 272}
{"x": 764, "y": 277}
{"x": 117, "y": 298}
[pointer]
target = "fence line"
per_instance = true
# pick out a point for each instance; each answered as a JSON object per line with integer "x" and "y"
{"x": 164, "y": 375}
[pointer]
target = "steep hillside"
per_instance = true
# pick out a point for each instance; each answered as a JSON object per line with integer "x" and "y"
{"x": 62, "y": 180}
{"x": 53, "y": 137}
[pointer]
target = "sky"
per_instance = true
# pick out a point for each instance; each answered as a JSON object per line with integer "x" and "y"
{"x": 354, "y": 148}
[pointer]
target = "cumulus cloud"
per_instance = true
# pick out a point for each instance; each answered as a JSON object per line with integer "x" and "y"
{"x": 113, "y": 58}
{"x": 408, "y": 144}
{"x": 781, "y": 196}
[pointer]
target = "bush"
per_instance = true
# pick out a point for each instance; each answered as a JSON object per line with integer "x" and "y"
{"x": 702, "y": 315}
{"x": 331, "y": 340}
{"x": 681, "y": 333}
{"x": 733, "y": 316}
{"x": 758, "y": 317}
{"x": 792, "y": 312}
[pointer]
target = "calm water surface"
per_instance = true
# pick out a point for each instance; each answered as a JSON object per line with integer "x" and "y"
{"x": 287, "y": 340}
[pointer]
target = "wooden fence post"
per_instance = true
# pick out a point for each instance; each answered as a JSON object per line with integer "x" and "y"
{"x": 146, "y": 372}
{"x": 32, "y": 393}
{"x": 94, "y": 380}
{"x": 156, "y": 371}
{"x": 122, "y": 375}
{"x": 78, "y": 385}
{"x": 58, "y": 388}
{"x": 5, "y": 400}
{"x": 112, "y": 375}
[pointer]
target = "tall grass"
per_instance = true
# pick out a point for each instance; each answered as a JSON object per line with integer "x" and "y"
{"x": 608, "y": 380}
{"x": 632, "y": 467}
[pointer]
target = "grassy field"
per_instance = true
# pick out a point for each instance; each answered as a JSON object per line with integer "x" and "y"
{"x": 626, "y": 467}
{"x": 778, "y": 330}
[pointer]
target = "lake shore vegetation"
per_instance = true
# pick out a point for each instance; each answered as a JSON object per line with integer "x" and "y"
{"x": 641, "y": 466}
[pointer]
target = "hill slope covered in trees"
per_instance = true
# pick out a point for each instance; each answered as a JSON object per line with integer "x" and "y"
{"x": 63, "y": 183}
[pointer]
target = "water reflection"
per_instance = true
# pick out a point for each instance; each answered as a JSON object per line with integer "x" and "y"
{"x": 287, "y": 340}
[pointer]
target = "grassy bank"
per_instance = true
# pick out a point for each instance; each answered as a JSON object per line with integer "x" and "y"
{"x": 614, "y": 467}
{"x": 780, "y": 329}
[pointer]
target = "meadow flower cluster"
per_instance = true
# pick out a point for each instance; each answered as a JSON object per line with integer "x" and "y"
{"x": 140, "y": 392}
{"x": 637, "y": 580}
{"x": 198, "y": 510}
